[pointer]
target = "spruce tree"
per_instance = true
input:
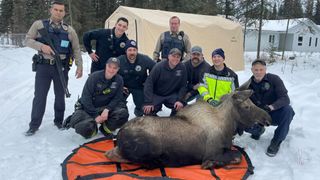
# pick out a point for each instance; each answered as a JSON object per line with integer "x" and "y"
{"x": 274, "y": 14}
{"x": 317, "y": 13}
{"x": 6, "y": 20}
{"x": 309, "y": 9}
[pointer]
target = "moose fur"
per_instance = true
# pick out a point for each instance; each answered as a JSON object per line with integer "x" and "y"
{"x": 198, "y": 134}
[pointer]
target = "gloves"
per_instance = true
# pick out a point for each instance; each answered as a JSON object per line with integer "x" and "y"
{"x": 266, "y": 108}
{"x": 213, "y": 102}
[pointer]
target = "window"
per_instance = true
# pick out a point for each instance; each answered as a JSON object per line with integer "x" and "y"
{"x": 271, "y": 38}
{"x": 300, "y": 39}
{"x": 316, "y": 42}
{"x": 310, "y": 40}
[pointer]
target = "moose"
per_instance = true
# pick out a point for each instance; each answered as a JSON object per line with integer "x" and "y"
{"x": 197, "y": 134}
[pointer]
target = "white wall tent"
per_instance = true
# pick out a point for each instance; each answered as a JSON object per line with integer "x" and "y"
{"x": 209, "y": 32}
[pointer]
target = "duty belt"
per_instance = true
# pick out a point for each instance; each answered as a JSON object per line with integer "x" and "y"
{"x": 51, "y": 61}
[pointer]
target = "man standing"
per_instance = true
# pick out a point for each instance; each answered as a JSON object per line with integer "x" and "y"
{"x": 271, "y": 95}
{"x": 101, "y": 102}
{"x": 172, "y": 39}
{"x": 219, "y": 80}
{"x": 196, "y": 67}
{"x": 109, "y": 43}
{"x": 66, "y": 42}
{"x": 134, "y": 69}
{"x": 166, "y": 85}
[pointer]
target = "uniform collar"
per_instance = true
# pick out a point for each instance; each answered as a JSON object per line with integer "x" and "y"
{"x": 223, "y": 71}
{"x": 264, "y": 79}
{"x": 51, "y": 22}
{"x": 172, "y": 33}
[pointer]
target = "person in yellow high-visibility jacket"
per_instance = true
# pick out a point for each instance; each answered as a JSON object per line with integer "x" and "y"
{"x": 219, "y": 80}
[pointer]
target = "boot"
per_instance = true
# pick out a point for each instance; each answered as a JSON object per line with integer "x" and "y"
{"x": 273, "y": 148}
{"x": 30, "y": 132}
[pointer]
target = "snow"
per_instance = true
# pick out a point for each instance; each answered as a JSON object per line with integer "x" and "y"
{"x": 278, "y": 25}
{"x": 40, "y": 156}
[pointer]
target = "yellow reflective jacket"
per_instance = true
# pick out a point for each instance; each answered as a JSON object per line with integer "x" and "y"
{"x": 215, "y": 84}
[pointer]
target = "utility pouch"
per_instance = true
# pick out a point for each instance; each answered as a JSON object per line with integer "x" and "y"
{"x": 77, "y": 105}
{"x": 35, "y": 60}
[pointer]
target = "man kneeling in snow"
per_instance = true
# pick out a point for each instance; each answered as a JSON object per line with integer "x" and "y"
{"x": 101, "y": 102}
{"x": 271, "y": 95}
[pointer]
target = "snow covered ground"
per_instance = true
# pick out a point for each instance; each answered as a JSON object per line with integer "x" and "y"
{"x": 39, "y": 156}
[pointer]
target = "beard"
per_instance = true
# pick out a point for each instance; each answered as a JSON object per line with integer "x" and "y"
{"x": 132, "y": 56}
{"x": 195, "y": 60}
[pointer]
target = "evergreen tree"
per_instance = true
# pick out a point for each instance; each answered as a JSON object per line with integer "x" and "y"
{"x": 225, "y": 7}
{"x": 309, "y": 9}
{"x": 281, "y": 13}
{"x": 297, "y": 11}
{"x": 274, "y": 14}
{"x": 36, "y": 9}
{"x": 20, "y": 12}
{"x": 317, "y": 14}
{"x": 104, "y": 9}
{"x": 6, "y": 20}
{"x": 291, "y": 9}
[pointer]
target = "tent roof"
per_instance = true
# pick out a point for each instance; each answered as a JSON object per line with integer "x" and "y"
{"x": 163, "y": 17}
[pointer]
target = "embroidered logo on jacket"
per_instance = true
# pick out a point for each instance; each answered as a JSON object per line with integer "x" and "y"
{"x": 178, "y": 72}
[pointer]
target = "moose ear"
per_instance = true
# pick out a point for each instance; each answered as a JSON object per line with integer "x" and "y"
{"x": 240, "y": 96}
{"x": 244, "y": 86}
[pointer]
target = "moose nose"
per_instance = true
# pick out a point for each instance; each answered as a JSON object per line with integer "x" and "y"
{"x": 268, "y": 120}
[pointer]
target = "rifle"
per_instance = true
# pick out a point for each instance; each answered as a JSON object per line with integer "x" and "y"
{"x": 44, "y": 33}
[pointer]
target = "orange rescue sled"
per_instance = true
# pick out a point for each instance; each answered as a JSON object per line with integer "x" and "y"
{"x": 88, "y": 162}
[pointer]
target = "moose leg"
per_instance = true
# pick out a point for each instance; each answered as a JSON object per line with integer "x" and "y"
{"x": 227, "y": 157}
{"x": 114, "y": 155}
{"x": 209, "y": 159}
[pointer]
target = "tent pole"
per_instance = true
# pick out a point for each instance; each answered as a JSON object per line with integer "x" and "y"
{"x": 135, "y": 22}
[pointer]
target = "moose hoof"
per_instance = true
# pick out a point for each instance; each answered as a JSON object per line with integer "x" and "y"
{"x": 208, "y": 164}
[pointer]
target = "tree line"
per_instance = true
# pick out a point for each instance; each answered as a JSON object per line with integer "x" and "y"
{"x": 16, "y": 16}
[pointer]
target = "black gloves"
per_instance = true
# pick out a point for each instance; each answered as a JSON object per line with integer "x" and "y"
{"x": 213, "y": 102}
{"x": 266, "y": 108}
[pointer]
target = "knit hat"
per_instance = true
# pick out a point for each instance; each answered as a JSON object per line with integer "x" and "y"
{"x": 131, "y": 43}
{"x": 218, "y": 51}
{"x": 114, "y": 60}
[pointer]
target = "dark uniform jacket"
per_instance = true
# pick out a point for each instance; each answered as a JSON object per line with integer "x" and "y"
{"x": 195, "y": 74}
{"x": 269, "y": 91}
{"x": 107, "y": 45}
{"x": 134, "y": 75}
{"x": 164, "y": 81}
{"x": 101, "y": 92}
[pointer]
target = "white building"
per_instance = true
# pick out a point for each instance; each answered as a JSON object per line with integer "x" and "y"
{"x": 303, "y": 35}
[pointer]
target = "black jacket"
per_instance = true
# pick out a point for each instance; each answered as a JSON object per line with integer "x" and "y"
{"x": 195, "y": 74}
{"x": 107, "y": 45}
{"x": 269, "y": 91}
{"x": 99, "y": 92}
{"x": 134, "y": 75}
{"x": 164, "y": 81}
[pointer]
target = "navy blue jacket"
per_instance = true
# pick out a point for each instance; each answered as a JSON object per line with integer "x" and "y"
{"x": 269, "y": 91}
{"x": 134, "y": 75}
{"x": 99, "y": 92}
{"x": 164, "y": 81}
{"x": 107, "y": 45}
